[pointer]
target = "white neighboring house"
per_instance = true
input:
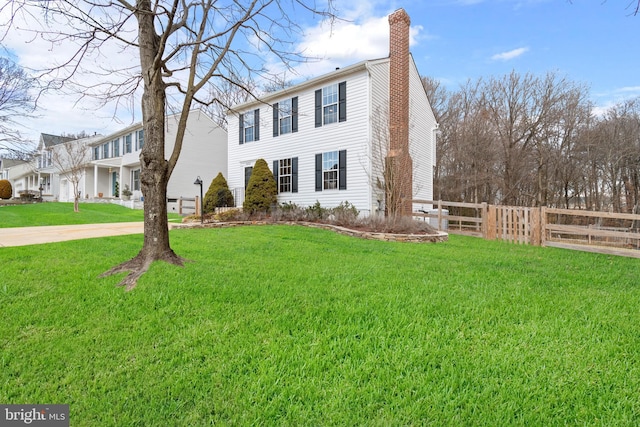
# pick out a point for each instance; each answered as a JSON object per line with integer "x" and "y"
{"x": 116, "y": 158}
{"x": 41, "y": 175}
{"x": 326, "y": 139}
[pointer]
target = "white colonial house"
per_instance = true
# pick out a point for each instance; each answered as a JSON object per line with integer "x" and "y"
{"x": 115, "y": 158}
{"x": 42, "y": 175}
{"x": 327, "y": 139}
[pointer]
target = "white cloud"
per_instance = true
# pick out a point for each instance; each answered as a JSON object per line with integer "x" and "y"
{"x": 364, "y": 37}
{"x": 506, "y": 56}
{"x": 629, "y": 90}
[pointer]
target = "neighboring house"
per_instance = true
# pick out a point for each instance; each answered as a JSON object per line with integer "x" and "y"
{"x": 111, "y": 159}
{"x": 116, "y": 157}
{"x": 328, "y": 139}
{"x": 40, "y": 174}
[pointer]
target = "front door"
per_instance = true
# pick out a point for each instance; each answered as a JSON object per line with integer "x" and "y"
{"x": 114, "y": 181}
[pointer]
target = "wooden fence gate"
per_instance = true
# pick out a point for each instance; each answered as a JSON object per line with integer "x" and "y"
{"x": 515, "y": 224}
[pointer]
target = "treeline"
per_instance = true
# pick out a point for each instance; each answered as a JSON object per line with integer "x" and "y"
{"x": 535, "y": 141}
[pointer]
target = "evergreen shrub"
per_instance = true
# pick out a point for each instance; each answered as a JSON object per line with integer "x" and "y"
{"x": 218, "y": 194}
{"x": 261, "y": 191}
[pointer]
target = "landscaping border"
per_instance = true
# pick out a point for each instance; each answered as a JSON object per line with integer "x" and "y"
{"x": 369, "y": 235}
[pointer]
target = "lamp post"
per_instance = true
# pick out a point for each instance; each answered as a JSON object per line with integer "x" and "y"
{"x": 198, "y": 181}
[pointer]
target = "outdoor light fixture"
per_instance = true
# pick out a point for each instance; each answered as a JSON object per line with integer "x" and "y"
{"x": 198, "y": 181}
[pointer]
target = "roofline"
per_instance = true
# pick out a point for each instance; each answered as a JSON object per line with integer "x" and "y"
{"x": 282, "y": 93}
{"x": 139, "y": 125}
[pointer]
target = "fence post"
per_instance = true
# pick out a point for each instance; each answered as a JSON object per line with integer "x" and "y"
{"x": 180, "y": 205}
{"x": 483, "y": 217}
{"x": 536, "y": 239}
{"x": 543, "y": 225}
{"x": 439, "y": 214}
{"x": 197, "y": 206}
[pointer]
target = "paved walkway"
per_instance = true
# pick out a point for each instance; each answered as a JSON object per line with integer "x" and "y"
{"x": 22, "y": 236}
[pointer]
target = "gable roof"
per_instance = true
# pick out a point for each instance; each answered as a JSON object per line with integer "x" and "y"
{"x": 50, "y": 140}
{"x": 315, "y": 81}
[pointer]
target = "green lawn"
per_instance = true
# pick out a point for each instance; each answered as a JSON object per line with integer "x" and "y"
{"x": 37, "y": 214}
{"x": 286, "y": 325}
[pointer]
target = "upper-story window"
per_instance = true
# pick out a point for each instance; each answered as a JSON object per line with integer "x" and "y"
{"x": 96, "y": 153}
{"x": 139, "y": 139}
{"x": 127, "y": 144}
{"x": 331, "y": 104}
{"x": 285, "y": 116}
{"x": 249, "y": 126}
{"x": 116, "y": 147}
{"x": 105, "y": 151}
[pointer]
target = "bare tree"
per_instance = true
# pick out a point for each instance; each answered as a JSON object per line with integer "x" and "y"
{"x": 15, "y": 102}
{"x": 70, "y": 160}
{"x": 183, "y": 46}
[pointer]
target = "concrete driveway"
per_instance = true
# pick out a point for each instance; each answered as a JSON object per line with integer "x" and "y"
{"x": 22, "y": 236}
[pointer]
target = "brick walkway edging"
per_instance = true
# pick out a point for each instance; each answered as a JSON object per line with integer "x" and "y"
{"x": 388, "y": 237}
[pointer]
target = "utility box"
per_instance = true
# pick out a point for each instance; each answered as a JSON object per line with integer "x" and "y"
{"x": 444, "y": 221}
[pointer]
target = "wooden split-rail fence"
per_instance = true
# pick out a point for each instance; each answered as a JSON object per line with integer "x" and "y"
{"x": 603, "y": 232}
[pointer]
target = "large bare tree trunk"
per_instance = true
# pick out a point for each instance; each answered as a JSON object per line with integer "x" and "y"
{"x": 154, "y": 173}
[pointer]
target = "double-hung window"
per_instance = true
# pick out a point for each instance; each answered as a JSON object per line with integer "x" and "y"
{"x": 105, "y": 151}
{"x": 116, "y": 147}
{"x": 96, "y": 153}
{"x": 135, "y": 179}
{"x": 331, "y": 104}
{"x": 331, "y": 170}
{"x": 285, "y": 116}
{"x": 249, "y": 126}
{"x": 127, "y": 144}
{"x": 285, "y": 171}
{"x": 139, "y": 139}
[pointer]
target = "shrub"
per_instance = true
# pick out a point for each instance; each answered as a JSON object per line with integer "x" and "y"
{"x": 345, "y": 214}
{"x": 218, "y": 194}
{"x": 261, "y": 191}
{"x": 6, "y": 191}
{"x": 289, "y": 212}
{"x": 316, "y": 212}
{"x": 230, "y": 215}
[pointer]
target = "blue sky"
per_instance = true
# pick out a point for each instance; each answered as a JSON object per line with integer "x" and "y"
{"x": 593, "y": 42}
{"x": 589, "y": 41}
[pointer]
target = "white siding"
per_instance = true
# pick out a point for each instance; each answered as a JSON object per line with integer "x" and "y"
{"x": 379, "y": 130}
{"x": 351, "y": 135}
{"x": 421, "y": 138}
{"x": 204, "y": 154}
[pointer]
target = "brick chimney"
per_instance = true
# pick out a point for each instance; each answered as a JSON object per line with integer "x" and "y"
{"x": 399, "y": 167}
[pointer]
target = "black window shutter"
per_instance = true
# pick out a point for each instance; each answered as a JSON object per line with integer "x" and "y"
{"x": 247, "y": 176}
{"x": 276, "y": 116}
{"x": 276, "y": 163}
{"x": 294, "y": 175}
{"x": 342, "y": 102}
{"x": 318, "y": 172}
{"x": 241, "y": 130}
{"x": 319, "y": 108}
{"x": 256, "y": 125}
{"x": 342, "y": 170}
{"x": 294, "y": 114}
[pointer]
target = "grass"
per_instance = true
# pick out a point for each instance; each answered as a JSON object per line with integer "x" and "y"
{"x": 37, "y": 214}
{"x": 285, "y": 325}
